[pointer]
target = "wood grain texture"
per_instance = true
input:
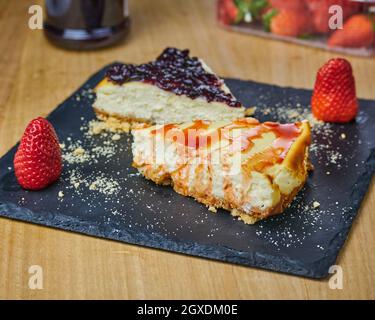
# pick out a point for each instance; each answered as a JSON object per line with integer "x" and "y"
{"x": 37, "y": 76}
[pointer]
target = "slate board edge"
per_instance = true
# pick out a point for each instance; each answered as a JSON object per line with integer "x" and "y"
{"x": 219, "y": 253}
{"x": 315, "y": 270}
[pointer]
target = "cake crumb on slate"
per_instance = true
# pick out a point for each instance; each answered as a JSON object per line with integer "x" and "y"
{"x": 96, "y": 127}
{"x": 74, "y": 153}
{"x": 95, "y": 181}
{"x": 78, "y": 152}
{"x": 250, "y": 111}
{"x": 110, "y": 124}
{"x": 316, "y": 204}
{"x": 104, "y": 185}
{"x": 92, "y": 186}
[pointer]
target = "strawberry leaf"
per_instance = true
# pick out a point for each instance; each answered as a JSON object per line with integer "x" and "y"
{"x": 252, "y": 8}
{"x": 242, "y": 5}
{"x": 240, "y": 16}
{"x": 267, "y": 18}
{"x": 256, "y": 7}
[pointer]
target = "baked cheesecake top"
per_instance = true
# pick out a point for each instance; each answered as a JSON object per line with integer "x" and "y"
{"x": 175, "y": 71}
{"x": 195, "y": 136}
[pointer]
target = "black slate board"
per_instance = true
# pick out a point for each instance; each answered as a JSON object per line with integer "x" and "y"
{"x": 303, "y": 241}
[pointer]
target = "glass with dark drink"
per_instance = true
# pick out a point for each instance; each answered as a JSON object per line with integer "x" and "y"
{"x": 86, "y": 24}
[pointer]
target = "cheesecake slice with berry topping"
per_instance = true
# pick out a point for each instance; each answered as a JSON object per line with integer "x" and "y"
{"x": 250, "y": 168}
{"x": 174, "y": 88}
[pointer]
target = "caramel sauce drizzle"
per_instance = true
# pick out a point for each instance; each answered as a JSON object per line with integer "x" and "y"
{"x": 285, "y": 136}
{"x": 164, "y": 130}
{"x": 193, "y": 139}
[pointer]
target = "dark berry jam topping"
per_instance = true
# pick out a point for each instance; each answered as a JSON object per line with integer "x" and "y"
{"x": 175, "y": 71}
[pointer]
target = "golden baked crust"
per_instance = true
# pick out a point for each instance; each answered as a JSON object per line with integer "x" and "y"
{"x": 118, "y": 122}
{"x": 103, "y": 83}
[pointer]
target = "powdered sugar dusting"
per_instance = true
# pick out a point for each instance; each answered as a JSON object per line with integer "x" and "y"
{"x": 98, "y": 179}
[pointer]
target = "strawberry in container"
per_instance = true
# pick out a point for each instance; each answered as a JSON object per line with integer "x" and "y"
{"x": 305, "y": 22}
{"x": 358, "y": 32}
{"x": 228, "y": 12}
{"x": 237, "y": 11}
{"x": 288, "y": 18}
{"x": 320, "y": 12}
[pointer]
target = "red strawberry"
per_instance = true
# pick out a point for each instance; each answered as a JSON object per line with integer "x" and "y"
{"x": 359, "y": 31}
{"x": 227, "y": 11}
{"x": 38, "y": 161}
{"x": 321, "y": 15}
{"x": 290, "y": 23}
{"x": 334, "y": 98}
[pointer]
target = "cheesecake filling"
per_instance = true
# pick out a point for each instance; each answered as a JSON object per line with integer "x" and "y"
{"x": 147, "y": 103}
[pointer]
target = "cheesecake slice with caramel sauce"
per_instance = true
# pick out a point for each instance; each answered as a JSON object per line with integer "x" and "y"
{"x": 252, "y": 169}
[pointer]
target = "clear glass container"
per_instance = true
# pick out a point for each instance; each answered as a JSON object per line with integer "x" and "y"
{"x": 324, "y": 24}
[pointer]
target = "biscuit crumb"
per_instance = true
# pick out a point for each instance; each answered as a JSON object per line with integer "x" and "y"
{"x": 116, "y": 137}
{"x": 343, "y": 136}
{"x": 96, "y": 127}
{"x": 61, "y": 194}
{"x": 293, "y": 114}
{"x": 110, "y": 124}
{"x": 266, "y": 111}
{"x": 250, "y": 111}
{"x": 74, "y": 153}
{"x": 316, "y": 204}
{"x": 93, "y": 186}
{"x": 212, "y": 209}
{"x": 62, "y": 146}
{"x": 79, "y": 152}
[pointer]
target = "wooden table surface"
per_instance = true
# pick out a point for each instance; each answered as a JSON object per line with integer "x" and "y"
{"x": 37, "y": 76}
